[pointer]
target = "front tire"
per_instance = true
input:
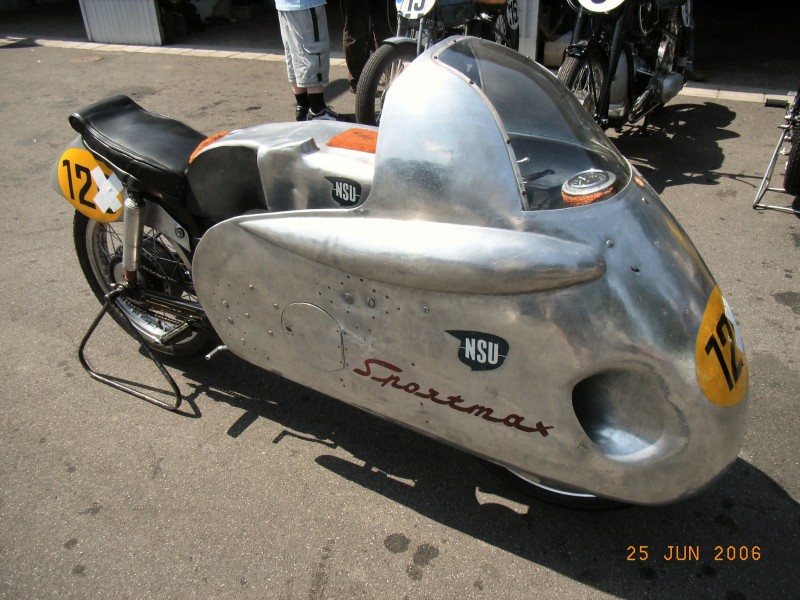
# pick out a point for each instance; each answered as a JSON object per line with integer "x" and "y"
{"x": 583, "y": 76}
{"x": 99, "y": 250}
{"x": 383, "y": 67}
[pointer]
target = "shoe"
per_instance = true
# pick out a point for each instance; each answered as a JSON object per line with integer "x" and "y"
{"x": 301, "y": 113}
{"x": 327, "y": 114}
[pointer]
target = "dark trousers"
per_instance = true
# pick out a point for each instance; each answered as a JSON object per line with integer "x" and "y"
{"x": 366, "y": 24}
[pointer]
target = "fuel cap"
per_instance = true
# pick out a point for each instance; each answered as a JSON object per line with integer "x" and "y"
{"x": 587, "y": 187}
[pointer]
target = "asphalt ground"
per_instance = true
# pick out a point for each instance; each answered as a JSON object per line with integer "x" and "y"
{"x": 265, "y": 489}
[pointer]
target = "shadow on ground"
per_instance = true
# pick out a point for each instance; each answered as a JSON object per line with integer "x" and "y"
{"x": 740, "y": 535}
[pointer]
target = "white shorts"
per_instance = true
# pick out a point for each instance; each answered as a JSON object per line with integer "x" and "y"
{"x": 307, "y": 46}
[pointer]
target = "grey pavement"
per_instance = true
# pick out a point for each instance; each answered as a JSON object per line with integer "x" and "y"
{"x": 270, "y": 490}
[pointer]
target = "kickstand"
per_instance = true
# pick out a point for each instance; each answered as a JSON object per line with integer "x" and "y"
{"x": 109, "y": 298}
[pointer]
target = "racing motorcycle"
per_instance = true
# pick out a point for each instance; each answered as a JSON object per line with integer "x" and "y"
{"x": 421, "y": 24}
{"x": 528, "y": 299}
{"x": 627, "y": 57}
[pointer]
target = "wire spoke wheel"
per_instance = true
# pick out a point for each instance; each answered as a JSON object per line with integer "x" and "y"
{"x": 383, "y": 67}
{"x": 99, "y": 249}
{"x": 583, "y": 76}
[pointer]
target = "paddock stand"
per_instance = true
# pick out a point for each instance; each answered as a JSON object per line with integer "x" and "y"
{"x": 792, "y": 121}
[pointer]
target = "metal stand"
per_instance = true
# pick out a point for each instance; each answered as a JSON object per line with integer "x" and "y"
{"x": 764, "y": 187}
{"x": 109, "y": 298}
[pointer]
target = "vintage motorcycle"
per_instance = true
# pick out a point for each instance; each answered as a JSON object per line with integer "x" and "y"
{"x": 513, "y": 288}
{"x": 643, "y": 44}
{"x": 420, "y": 25}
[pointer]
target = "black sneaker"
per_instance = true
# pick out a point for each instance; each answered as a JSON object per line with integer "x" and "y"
{"x": 301, "y": 113}
{"x": 327, "y": 114}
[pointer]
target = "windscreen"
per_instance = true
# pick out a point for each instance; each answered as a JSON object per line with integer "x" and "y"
{"x": 553, "y": 138}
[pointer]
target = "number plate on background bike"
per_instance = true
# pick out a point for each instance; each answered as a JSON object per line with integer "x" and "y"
{"x": 414, "y": 9}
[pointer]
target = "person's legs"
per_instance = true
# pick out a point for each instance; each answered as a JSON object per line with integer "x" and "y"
{"x": 355, "y": 36}
{"x": 305, "y": 34}
{"x": 384, "y": 20}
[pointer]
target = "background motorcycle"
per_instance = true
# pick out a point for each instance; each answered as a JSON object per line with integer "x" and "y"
{"x": 645, "y": 44}
{"x": 421, "y": 24}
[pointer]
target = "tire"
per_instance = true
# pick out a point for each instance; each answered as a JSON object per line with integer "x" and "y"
{"x": 791, "y": 178}
{"x": 99, "y": 250}
{"x": 583, "y": 76}
{"x": 383, "y": 67}
{"x": 550, "y": 494}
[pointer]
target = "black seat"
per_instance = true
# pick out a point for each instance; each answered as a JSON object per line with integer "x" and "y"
{"x": 152, "y": 149}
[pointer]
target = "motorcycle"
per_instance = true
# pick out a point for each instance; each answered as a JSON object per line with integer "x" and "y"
{"x": 514, "y": 289}
{"x": 627, "y": 58}
{"x": 420, "y": 25}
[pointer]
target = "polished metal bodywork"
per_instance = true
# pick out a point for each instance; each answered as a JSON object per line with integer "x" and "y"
{"x": 461, "y": 298}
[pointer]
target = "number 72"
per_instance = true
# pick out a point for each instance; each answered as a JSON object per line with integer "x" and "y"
{"x": 725, "y": 336}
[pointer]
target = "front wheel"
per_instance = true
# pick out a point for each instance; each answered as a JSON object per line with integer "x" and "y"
{"x": 583, "y": 76}
{"x": 99, "y": 250}
{"x": 379, "y": 73}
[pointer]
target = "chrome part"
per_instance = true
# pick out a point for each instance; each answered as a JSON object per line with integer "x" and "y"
{"x": 671, "y": 86}
{"x": 133, "y": 208}
{"x": 588, "y": 183}
{"x": 160, "y": 269}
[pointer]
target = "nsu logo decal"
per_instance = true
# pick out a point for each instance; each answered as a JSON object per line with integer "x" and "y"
{"x": 345, "y": 192}
{"x": 480, "y": 351}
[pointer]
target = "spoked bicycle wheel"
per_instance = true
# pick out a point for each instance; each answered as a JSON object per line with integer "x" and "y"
{"x": 583, "y": 76}
{"x": 99, "y": 250}
{"x": 381, "y": 70}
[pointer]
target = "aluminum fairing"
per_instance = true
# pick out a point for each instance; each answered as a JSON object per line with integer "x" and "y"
{"x": 565, "y": 344}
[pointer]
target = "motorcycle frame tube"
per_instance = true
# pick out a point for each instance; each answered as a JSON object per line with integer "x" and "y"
{"x": 614, "y": 53}
{"x": 134, "y": 215}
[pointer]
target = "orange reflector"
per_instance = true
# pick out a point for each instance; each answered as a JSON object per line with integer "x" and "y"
{"x": 361, "y": 140}
{"x": 207, "y": 142}
{"x": 587, "y": 199}
{"x": 588, "y": 186}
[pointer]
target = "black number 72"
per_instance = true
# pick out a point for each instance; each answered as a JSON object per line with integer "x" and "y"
{"x": 731, "y": 374}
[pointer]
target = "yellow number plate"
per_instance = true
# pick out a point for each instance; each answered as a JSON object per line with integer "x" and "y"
{"x": 90, "y": 186}
{"x": 721, "y": 362}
